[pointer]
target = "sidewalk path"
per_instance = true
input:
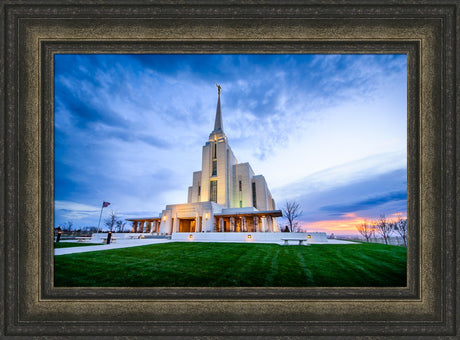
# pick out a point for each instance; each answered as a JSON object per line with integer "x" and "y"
{"x": 116, "y": 245}
{"x": 122, "y": 243}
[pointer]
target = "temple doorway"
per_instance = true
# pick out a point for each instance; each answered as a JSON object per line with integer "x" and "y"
{"x": 186, "y": 225}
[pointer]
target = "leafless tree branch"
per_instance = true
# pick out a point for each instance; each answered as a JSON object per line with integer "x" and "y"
{"x": 291, "y": 211}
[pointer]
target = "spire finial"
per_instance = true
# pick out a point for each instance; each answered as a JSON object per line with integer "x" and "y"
{"x": 218, "y": 122}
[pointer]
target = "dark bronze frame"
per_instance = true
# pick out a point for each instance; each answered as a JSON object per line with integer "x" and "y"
{"x": 427, "y": 33}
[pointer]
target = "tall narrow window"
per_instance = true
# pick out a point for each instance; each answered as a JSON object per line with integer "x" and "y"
{"x": 199, "y": 190}
{"x": 254, "y": 197}
{"x": 240, "y": 186}
{"x": 213, "y": 191}
{"x": 214, "y": 168}
{"x": 241, "y": 204}
{"x": 215, "y": 151}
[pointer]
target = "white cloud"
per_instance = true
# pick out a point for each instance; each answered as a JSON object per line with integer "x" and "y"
{"x": 74, "y": 211}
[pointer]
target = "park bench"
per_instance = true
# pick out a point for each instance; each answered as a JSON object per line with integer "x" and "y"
{"x": 300, "y": 240}
{"x": 83, "y": 239}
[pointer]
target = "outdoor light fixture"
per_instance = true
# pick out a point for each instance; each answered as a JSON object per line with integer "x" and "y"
{"x": 190, "y": 236}
{"x": 164, "y": 218}
{"x": 309, "y": 236}
{"x": 249, "y": 236}
{"x": 206, "y": 216}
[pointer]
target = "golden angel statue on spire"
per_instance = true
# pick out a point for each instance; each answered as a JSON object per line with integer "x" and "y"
{"x": 218, "y": 88}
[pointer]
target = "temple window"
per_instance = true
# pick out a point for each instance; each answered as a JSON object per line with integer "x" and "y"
{"x": 213, "y": 191}
{"x": 254, "y": 197}
{"x": 214, "y": 168}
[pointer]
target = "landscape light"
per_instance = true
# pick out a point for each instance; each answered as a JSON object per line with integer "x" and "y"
{"x": 309, "y": 236}
{"x": 190, "y": 236}
{"x": 249, "y": 236}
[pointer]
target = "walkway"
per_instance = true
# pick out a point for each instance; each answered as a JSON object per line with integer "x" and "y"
{"x": 121, "y": 243}
{"x": 118, "y": 244}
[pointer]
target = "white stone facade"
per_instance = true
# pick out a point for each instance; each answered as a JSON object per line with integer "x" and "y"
{"x": 237, "y": 186}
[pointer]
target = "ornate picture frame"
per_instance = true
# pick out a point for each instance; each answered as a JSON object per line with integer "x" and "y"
{"x": 33, "y": 33}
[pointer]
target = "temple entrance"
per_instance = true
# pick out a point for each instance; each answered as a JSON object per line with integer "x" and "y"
{"x": 186, "y": 225}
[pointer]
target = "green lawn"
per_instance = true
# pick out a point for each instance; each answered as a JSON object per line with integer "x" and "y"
{"x": 235, "y": 265}
{"x": 73, "y": 244}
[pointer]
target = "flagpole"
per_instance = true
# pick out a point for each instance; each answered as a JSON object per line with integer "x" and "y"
{"x": 98, "y": 225}
{"x": 104, "y": 204}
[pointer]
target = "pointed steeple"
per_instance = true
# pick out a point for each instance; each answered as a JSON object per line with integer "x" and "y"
{"x": 218, "y": 132}
{"x": 218, "y": 122}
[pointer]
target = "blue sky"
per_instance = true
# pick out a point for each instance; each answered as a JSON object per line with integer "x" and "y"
{"x": 326, "y": 130}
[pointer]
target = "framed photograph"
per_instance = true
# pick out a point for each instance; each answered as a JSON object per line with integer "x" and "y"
{"x": 45, "y": 42}
{"x": 326, "y": 132}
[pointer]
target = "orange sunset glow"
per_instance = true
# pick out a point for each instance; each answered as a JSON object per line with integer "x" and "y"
{"x": 346, "y": 225}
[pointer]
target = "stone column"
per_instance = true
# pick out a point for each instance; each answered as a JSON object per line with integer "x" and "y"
{"x": 270, "y": 224}
{"x": 221, "y": 224}
{"x": 232, "y": 224}
{"x": 244, "y": 227}
{"x": 171, "y": 224}
{"x": 148, "y": 226}
{"x": 176, "y": 224}
{"x": 142, "y": 227}
{"x": 134, "y": 227}
{"x": 256, "y": 224}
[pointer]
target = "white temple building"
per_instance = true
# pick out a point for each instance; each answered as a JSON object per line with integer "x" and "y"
{"x": 225, "y": 196}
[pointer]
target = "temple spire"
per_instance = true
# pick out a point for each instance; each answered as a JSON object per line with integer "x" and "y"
{"x": 218, "y": 123}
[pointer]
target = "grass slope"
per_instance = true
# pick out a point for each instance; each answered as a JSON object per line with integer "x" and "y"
{"x": 235, "y": 265}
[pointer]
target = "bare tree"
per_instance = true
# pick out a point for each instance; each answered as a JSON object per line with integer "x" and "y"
{"x": 384, "y": 228}
{"x": 401, "y": 228}
{"x": 120, "y": 226}
{"x": 111, "y": 220}
{"x": 69, "y": 225}
{"x": 366, "y": 229}
{"x": 297, "y": 227}
{"x": 291, "y": 211}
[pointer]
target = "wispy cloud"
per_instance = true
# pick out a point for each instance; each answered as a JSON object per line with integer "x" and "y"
{"x": 74, "y": 211}
{"x": 372, "y": 201}
{"x": 346, "y": 224}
